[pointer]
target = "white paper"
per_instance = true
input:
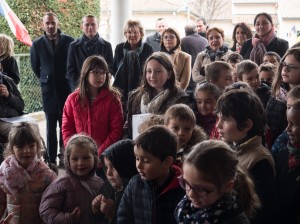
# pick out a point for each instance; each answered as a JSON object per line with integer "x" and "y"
{"x": 137, "y": 119}
{"x": 18, "y": 119}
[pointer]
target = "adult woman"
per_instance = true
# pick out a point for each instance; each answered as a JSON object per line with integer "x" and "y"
{"x": 215, "y": 51}
{"x": 130, "y": 57}
{"x": 8, "y": 64}
{"x": 241, "y": 33}
{"x": 158, "y": 90}
{"x": 170, "y": 43}
{"x": 95, "y": 107}
{"x": 264, "y": 40}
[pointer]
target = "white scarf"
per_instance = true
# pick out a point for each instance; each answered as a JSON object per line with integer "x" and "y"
{"x": 154, "y": 104}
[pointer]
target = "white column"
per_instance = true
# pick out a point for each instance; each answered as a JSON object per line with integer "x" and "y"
{"x": 121, "y": 11}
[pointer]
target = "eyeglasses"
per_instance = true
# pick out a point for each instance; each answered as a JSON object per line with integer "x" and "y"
{"x": 289, "y": 68}
{"x": 98, "y": 73}
{"x": 200, "y": 192}
{"x": 171, "y": 37}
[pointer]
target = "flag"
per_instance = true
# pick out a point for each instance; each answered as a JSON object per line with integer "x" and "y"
{"x": 16, "y": 26}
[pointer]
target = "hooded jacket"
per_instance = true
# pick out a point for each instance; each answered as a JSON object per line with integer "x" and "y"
{"x": 68, "y": 192}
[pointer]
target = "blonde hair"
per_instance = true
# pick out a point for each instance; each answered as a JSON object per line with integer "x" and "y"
{"x": 180, "y": 111}
{"x": 135, "y": 24}
{"x": 7, "y": 45}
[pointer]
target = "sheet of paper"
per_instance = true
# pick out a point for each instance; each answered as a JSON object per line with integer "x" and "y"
{"x": 137, "y": 119}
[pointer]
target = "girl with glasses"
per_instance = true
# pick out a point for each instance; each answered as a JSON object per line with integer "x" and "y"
{"x": 217, "y": 188}
{"x": 170, "y": 43}
{"x": 287, "y": 77}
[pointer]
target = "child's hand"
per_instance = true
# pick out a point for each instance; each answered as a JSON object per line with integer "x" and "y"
{"x": 76, "y": 213}
{"x": 96, "y": 203}
{"x": 7, "y": 219}
{"x": 107, "y": 207}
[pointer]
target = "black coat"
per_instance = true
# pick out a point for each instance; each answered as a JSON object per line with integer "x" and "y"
{"x": 277, "y": 45}
{"x": 78, "y": 53}
{"x": 51, "y": 68}
{"x": 10, "y": 68}
{"x": 13, "y": 105}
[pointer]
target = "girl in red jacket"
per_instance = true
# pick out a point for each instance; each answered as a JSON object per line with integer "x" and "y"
{"x": 94, "y": 108}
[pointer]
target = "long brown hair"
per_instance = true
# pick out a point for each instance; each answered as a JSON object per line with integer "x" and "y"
{"x": 219, "y": 164}
{"x": 90, "y": 64}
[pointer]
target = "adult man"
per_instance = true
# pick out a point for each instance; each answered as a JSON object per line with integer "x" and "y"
{"x": 154, "y": 39}
{"x": 201, "y": 26}
{"x": 48, "y": 55}
{"x": 192, "y": 44}
{"x": 89, "y": 44}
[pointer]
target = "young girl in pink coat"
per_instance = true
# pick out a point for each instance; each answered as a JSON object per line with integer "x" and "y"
{"x": 23, "y": 175}
{"x": 94, "y": 107}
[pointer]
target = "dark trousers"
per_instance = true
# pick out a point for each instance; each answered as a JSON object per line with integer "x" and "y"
{"x": 52, "y": 120}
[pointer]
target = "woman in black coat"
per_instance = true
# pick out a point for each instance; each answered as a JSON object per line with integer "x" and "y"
{"x": 264, "y": 40}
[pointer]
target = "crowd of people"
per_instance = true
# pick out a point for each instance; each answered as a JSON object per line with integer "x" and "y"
{"x": 191, "y": 130}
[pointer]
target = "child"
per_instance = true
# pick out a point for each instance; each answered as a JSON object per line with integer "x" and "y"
{"x": 287, "y": 77}
{"x": 242, "y": 122}
{"x": 206, "y": 95}
{"x": 221, "y": 191}
{"x": 152, "y": 196}
{"x": 219, "y": 73}
{"x": 292, "y": 96}
{"x": 181, "y": 120}
{"x": 68, "y": 199}
{"x": 233, "y": 59}
{"x": 272, "y": 57}
{"x": 267, "y": 73}
{"x": 119, "y": 166}
{"x": 23, "y": 175}
{"x": 247, "y": 71}
{"x": 286, "y": 153}
{"x": 95, "y": 107}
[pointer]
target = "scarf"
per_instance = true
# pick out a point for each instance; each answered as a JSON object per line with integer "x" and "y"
{"x": 14, "y": 177}
{"x": 154, "y": 105}
{"x": 225, "y": 208}
{"x": 215, "y": 54}
{"x": 92, "y": 44}
{"x": 259, "y": 46}
{"x": 294, "y": 155}
{"x": 238, "y": 47}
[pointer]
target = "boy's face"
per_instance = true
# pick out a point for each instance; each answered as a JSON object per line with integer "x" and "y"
{"x": 206, "y": 103}
{"x": 224, "y": 80}
{"x": 252, "y": 78}
{"x": 289, "y": 103}
{"x": 293, "y": 128}
{"x": 228, "y": 131}
{"x": 183, "y": 131}
{"x": 265, "y": 76}
{"x": 112, "y": 174}
{"x": 272, "y": 59}
{"x": 150, "y": 167}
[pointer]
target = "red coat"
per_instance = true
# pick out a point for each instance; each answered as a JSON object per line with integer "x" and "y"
{"x": 102, "y": 120}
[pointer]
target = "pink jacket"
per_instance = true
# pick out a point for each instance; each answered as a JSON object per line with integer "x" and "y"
{"x": 22, "y": 193}
{"x": 102, "y": 120}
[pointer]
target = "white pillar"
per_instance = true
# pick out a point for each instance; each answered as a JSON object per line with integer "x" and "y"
{"x": 121, "y": 11}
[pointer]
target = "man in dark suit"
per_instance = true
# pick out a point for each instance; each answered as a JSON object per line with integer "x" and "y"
{"x": 154, "y": 39}
{"x": 89, "y": 44}
{"x": 192, "y": 44}
{"x": 48, "y": 55}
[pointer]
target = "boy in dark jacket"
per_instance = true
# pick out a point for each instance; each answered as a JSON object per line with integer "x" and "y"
{"x": 152, "y": 196}
{"x": 247, "y": 71}
{"x": 119, "y": 165}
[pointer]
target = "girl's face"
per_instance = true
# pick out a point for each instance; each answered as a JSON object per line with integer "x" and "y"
{"x": 290, "y": 72}
{"x": 215, "y": 40}
{"x": 25, "y": 154}
{"x": 240, "y": 35}
{"x": 96, "y": 78}
{"x": 201, "y": 192}
{"x": 156, "y": 75}
{"x": 262, "y": 26}
{"x": 169, "y": 40}
{"x": 293, "y": 128}
{"x": 228, "y": 131}
{"x": 133, "y": 36}
{"x": 206, "y": 103}
{"x": 112, "y": 174}
{"x": 81, "y": 161}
